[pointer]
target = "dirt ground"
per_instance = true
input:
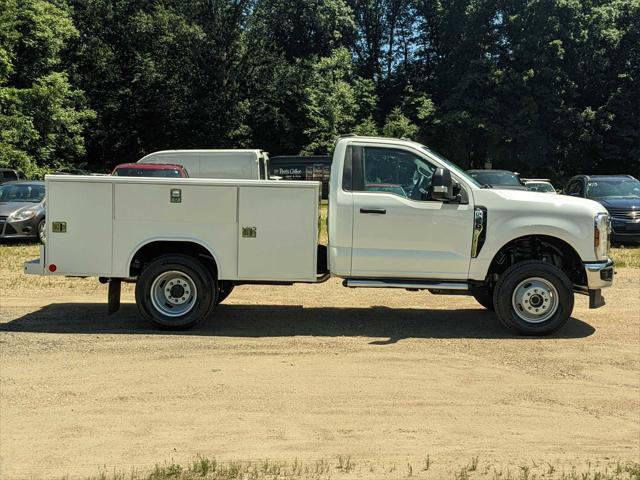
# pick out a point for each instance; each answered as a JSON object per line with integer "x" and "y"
{"x": 385, "y": 378}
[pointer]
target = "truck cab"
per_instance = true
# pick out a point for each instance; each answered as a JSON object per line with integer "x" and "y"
{"x": 399, "y": 216}
{"x": 403, "y": 215}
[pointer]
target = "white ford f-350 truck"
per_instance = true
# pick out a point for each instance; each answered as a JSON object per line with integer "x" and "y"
{"x": 399, "y": 216}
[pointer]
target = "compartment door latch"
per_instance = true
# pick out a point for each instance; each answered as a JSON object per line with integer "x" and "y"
{"x": 249, "y": 232}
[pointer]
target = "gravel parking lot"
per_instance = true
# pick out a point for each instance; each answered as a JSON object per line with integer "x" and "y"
{"x": 388, "y": 379}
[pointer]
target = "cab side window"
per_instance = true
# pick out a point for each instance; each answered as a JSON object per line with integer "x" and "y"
{"x": 397, "y": 172}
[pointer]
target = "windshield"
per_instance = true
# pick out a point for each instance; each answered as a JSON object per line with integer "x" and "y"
{"x": 452, "y": 166}
{"x": 25, "y": 193}
{"x": 496, "y": 177}
{"x": 619, "y": 188}
{"x": 147, "y": 172}
{"x": 540, "y": 187}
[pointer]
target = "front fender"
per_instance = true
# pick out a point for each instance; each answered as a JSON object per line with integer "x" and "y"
{"x": 501, "y": 231}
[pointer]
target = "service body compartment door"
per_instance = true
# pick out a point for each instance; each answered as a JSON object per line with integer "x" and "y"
{"x": 79, "y": 227}
{"x": 203, "y": 214}
{"x": 278, "y": 232}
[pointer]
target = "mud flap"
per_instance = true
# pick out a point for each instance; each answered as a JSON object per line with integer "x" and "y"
{"x": 115, "y": 285}
{"x": 596, "y": 300}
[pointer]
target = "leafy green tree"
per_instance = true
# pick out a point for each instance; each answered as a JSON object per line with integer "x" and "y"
{"x": 334, "y": 105}
{"x": 399, "y": 126}
{"x": 42, "y": 116}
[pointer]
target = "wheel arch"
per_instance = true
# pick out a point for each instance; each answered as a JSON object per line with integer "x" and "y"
{"x": 546, "y": 248}
{"x": 154, "y": 248}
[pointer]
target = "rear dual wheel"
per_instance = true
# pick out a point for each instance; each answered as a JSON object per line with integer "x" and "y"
{"x": 175, "y": 292}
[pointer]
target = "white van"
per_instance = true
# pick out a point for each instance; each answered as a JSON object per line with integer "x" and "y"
{"x": 231, "y": 164}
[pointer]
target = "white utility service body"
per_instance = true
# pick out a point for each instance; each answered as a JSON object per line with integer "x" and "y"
{"x": 399, "y": 216}
{"x": 226, "y": 164}
{"x": 124, "y": 214}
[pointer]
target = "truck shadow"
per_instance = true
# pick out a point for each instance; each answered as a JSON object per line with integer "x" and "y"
{"x": 388, "y": 324}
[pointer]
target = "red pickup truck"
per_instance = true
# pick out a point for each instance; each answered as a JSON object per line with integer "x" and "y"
{"x": 150, "y": 170}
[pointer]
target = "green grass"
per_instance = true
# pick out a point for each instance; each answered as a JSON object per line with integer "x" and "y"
{"x": 13, "y": 278}
{"x": 205, "y": 468}
{"x": 626, "y": 256}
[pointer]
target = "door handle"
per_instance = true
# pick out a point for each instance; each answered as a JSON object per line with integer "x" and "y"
{"x": 379, "y": 211}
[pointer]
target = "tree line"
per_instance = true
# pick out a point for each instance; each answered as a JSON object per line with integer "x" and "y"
{"x": 545, "y": 87}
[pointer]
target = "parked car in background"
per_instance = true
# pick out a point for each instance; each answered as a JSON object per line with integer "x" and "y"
{"x": 542, "y": 185}
{"x": 227, "y": 164}
{"x": 10, "y": 175}
{"x": 150, "y": 170}
{"x": 619, "y": 194}
{"x": 503, "y": 179}
{"x": 22, "y": 210}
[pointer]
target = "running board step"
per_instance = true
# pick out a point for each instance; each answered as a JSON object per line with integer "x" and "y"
{"x": 409, "y": 284}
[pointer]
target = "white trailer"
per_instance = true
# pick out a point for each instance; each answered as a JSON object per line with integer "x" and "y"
{"x": 400, "y": 216}
{"x": 226, "y": 164}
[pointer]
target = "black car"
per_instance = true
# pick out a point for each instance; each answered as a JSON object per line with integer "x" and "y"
{"x": 619, "y": 194}
{"x": 498, "y": 179}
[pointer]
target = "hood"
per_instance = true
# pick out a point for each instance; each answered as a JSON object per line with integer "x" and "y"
{"x": 7, "y": 208}
{"x": 510, "y": 187}
{"x": 620, "y": 203}
{"x": 529, "y": 201}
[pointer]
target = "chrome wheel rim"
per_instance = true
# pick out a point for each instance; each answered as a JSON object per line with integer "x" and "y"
{"x": 535, "y": 300}
{"x": 42, "y": 231}
{"x": 173, "y": 293}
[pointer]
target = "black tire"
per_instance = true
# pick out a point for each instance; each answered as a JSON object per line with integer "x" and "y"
{"x": 484, "y": 297}
{"x": 224, "y": 290}
{"x": 203, "y": 298}
{"x": 523, "y": 277}
{"x": 42, "y": 232}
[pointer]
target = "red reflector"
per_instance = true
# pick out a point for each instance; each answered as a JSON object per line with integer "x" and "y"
{"x": 53, "y": 267}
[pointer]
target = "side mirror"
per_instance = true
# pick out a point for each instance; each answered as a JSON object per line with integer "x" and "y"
{"x": 442, "y": 185}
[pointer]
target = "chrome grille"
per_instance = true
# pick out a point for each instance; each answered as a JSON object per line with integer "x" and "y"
{"x": 624, "y": 213}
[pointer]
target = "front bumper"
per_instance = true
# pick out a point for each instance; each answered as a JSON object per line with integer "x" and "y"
{"x": 599, "y": 274}
{"x": 18, "y": 229}
{"x": 625, "y": 230}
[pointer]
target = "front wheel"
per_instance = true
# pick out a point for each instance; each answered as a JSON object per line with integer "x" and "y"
{"x": 533, "y": 298}
{"x": 175, "y": 292}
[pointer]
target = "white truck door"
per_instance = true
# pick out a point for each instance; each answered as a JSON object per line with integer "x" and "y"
{"x": 397, "y": 230}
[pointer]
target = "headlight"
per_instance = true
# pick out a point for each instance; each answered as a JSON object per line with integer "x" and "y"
{"x": 22, "y": 215}
{"x": 601, "y": 229}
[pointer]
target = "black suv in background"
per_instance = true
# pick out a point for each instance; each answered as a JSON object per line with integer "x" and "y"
{"x": 619, "y": 194}
{"x": 498, "y": 178}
